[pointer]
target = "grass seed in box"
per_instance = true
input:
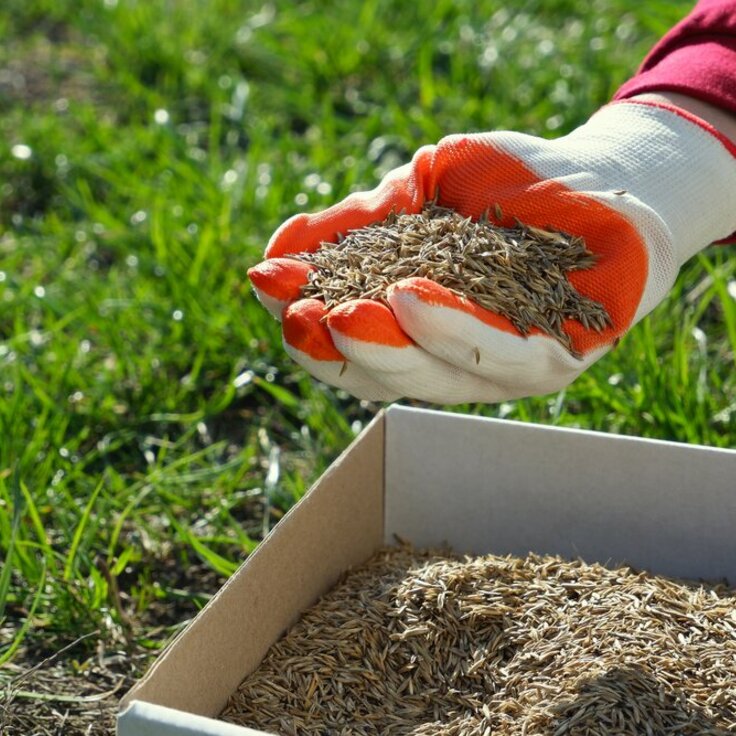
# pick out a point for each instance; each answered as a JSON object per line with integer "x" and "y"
{"x": 431, "y": 643}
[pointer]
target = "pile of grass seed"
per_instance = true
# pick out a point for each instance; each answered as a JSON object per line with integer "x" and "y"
{"x": 520, "y": 272}
{"x": 432, "y": 644}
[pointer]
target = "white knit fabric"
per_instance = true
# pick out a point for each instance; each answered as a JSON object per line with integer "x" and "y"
{"x": 397, "y": 368}
{"x": 273, "y": 305}
{"x": 345, "y": 375}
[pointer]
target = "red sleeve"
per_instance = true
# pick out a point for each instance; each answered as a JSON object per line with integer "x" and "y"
{"x": 697, "y": 57}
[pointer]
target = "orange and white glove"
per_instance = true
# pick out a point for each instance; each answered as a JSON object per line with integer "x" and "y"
{"x": 646, "y": 186}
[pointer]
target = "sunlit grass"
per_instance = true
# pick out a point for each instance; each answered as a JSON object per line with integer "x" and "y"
{"x": 167, "y": 141}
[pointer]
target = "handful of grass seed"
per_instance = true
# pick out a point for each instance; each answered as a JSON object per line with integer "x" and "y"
{"x": 520, "y": 272}
{"x": 433, "y": 644}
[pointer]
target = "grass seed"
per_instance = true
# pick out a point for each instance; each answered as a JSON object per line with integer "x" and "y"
{"x": 519, "y": 272}
{"x": 429, "y": 643}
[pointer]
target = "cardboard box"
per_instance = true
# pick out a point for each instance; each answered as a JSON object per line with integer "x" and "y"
{"x": 481, "y": 485}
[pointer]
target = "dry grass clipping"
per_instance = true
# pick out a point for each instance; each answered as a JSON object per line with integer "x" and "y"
{"x": 520, "y": 273}
{"x": 430, "y": 644}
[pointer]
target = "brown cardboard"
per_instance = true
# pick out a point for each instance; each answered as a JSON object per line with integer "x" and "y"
{"x": 339, "y": 523}
{"x": 482, "y": 485}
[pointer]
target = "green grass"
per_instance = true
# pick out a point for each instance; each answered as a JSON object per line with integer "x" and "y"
{"x": 128, "y": 453}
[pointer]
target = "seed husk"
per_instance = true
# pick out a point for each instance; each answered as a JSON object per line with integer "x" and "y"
{"x": 431, "y": 643}
{"x": 518, "y": 272}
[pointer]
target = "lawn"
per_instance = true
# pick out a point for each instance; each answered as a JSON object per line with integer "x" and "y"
{"x": 152, "y": 429}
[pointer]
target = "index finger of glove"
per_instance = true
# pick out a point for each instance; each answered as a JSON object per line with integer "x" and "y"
{"x": 401, "y": 190}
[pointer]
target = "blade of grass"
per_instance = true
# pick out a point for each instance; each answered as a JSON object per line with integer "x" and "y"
{"x": 728, "y": 303}
{"x": 18, "y": 638}
{"x": 7, "y": 570}
{"x": 217, "y": 562}
{"x": 79, "y": 531}
{"x": 281, "y": 394}
{"x": 36, "y": 521}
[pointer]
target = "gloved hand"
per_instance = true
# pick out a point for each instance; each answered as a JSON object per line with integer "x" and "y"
{"x": 646, "y": 186}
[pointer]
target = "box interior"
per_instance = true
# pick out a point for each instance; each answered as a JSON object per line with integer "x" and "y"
{"x": 479, "y": 485}
{"x": 487, "y": 485}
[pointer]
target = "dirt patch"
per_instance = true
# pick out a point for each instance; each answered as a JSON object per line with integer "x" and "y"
{"x": 61, "y": 695}
{"x": 74, "y": 689}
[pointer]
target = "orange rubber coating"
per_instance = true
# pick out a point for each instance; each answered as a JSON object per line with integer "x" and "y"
{"x": 280, "y": 278}
{"x": 304, "y": 328}
{"x": 368, "y": 321}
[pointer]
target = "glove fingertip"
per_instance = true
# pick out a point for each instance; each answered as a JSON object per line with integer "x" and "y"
{"x": 304, "y": 328}
{"x": 367, "y": 321}
{"x": 280, "y": 276}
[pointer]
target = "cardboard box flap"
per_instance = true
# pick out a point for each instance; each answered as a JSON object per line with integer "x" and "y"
{"x": 483, "y": 484}
{"x": 339, "y": 524}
